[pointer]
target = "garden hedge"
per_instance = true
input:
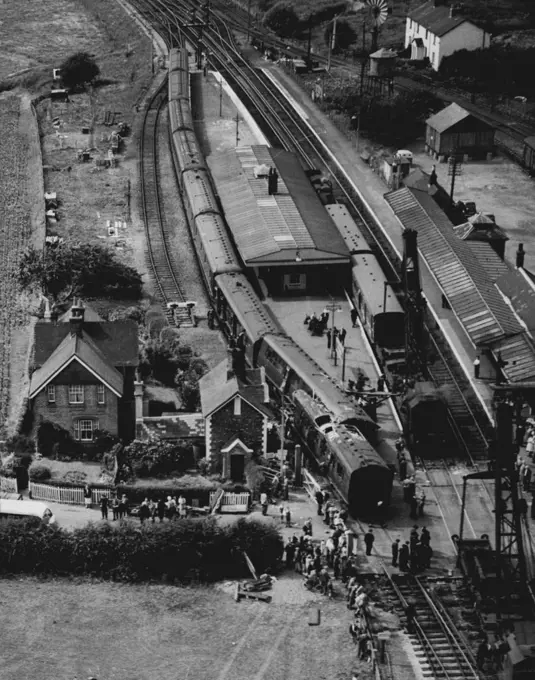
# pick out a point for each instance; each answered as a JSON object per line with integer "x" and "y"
{"x": 180, "y": 551}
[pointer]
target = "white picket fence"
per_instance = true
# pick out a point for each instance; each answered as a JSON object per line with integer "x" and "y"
{"x": 70, "y": 496}
{"x": 9, "y": 485}
{"x": 233, "y": 502}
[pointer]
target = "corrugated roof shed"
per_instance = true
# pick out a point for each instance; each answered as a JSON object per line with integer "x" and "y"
{"x": 436, "y": 19}
{"x": 271, "y": 228}
{"x": 447, "y": 118}
{"x": 520, "y": 289}
{"x": 475, "y": 300}
{"x": 491, "y": 262}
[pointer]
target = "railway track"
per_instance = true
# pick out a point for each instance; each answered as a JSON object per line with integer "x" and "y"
{"x": 443, "y": 651}
{"x": 162, "y": 269}
{"x": 283, "y": 127}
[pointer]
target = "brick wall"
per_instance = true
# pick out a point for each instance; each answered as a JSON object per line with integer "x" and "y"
{"x": 64, "y": 414}
{"x": 225, "y": 427}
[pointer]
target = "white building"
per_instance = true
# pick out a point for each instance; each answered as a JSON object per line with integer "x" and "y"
{"x": 435, "y": 30}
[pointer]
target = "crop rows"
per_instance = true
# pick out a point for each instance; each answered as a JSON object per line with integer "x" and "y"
{"x": 15, "y": 228}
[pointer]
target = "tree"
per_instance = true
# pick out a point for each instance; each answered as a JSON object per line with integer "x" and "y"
{"x": 188, "y": 384}
{"x": 78, "y": 70}
{"x": 85, "y": 270}
{"x": 156, "y": 457}
{"x": 344, "y": 38}
{"x": 282, "y": 19}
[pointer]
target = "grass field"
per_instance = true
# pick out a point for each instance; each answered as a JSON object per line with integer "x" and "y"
{"x": 60, "y": 630}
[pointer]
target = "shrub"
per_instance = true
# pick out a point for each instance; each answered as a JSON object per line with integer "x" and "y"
{"x": 178, "y": 551}
{"x": 55, "y": 442}
{"x": 152, "y": 458}
{"x": 79, "y": 69}
{"x": 39, "y": 472}
{"x": 20, "y": 444}
{"x": 75, "y": 477}
{"x": 282, "y": 19}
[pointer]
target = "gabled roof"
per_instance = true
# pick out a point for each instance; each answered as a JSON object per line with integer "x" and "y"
{"x": 447, "y": 118}
{"x": 436, "y": 19}
{"x": 89, "y": 315}
{"x": 217, "y": 390}
{"x": 516, "y": 285}
{"x": 117, "y": 340}
{"x": 489, "y": 259}
{"x": 475, "y": 300}
{"x": 81, "y": 349}
{"x": 233, "y": 443}
{"x": 274, "y": 228}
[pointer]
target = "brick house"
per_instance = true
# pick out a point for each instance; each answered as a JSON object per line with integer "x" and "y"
{"x": 83, "y": 374}
{"x": 435, "y": 30}
{"x": 236, "y": 415}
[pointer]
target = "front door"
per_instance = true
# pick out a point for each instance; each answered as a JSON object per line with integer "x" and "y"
{"x": 237, "y": 467}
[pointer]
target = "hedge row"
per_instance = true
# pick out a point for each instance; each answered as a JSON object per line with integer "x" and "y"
{"x": 181, "y": 551}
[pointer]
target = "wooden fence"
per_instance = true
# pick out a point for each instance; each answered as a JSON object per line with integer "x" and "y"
{"x": 233, "y": 502}
{"x": 68, "y": 495}
{"x": 9, "y": 485}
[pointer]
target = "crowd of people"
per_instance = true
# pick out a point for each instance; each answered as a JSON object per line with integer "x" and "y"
{"x": 148, "y": 510}
{"x": 415, "y": 554}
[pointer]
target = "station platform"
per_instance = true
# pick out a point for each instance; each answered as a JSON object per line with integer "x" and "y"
{"x": 372, "y": 190}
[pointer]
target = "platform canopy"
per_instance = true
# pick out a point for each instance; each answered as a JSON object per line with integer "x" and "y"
{"x": 287, "y": 227}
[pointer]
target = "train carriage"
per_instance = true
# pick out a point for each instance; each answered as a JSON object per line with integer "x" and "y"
{"x": 178, "y": 86}
{"x": 242, "y": 313}
{"x": 357, "y": 471}
{"x": 187, "y": 152}
{"x": 377, "y": 305}
{"x": 349, "y": 230}
{"x": 290, "y": 368}
{"x": 180, "y": 117}
{"x": 215, "y": 252}
{"x": 199, "y": 197}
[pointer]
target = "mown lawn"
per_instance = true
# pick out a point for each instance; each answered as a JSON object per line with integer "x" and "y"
{"x": 59, "y": 630}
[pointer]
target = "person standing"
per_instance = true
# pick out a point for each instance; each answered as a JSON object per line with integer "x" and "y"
{"x": 144, "y": 512}
{"x": 404, "y": 556}
{"x": 104, "y": 507}
{"x": 477, "y": 367}
{"x": 343, "y": 334}
{"x": 115, "y": 507}
{"x": 354, "y": 317}
{"x": 182, "y": 507}
{"x": 264, "y": 502}
{"x": 153, "y": 508}
{"x": 329, "y": 338}
{"x": 161, "y": 509}
{"x": 425, "y": 538}
{"x": 319, "y": 501}
{"x": 285, "y": 489}
{"x": 288, "y": 516}
{"x": 87, "y": 496}
{"x": 421, "y": 503}
{"x": 395, "y": 552}
{"x": 402, "y": 462}
{"x": 281, "y": 513}
{"x": 369, "y": 540}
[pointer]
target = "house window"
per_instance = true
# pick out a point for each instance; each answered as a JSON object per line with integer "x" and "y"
{"x": 51, "y": 393}
{"x": 84, "y": 430}
{"x": 76, "y": 394}
{"x": 100, "y": 394}
{"x": 237, "y": 406}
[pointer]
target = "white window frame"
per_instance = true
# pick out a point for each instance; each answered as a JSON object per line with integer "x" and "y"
{"x": 237, "y": 406}
{"x": 101, "y": 394}
{"x": 51, "y": 394}
{"x": 76, "y": 394}
{"x": 89, "y": 426}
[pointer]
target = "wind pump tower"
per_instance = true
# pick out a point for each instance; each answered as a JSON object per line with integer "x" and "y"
{"x": 379, "y": 14}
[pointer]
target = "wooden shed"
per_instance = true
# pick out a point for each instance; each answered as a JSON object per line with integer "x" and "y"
{"x": 529, "y": 155}
{"x": 456, "y": 130}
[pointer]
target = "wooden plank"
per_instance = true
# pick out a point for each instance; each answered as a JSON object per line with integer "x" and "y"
{"x": 250, "y": 566}
{"x": 253, "y": 596}
{"x": 314, "y": 617}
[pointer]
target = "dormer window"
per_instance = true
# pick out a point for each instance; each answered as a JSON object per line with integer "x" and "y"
{"x": 100, "y": 394}
{"x": 76, "y": 394}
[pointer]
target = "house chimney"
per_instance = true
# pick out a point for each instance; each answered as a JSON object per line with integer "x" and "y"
{"x": 230, "y": 363}
{"x": 453, "y": 11}
{"x": 47, "y": 316}
{"x": 141, "y": 404}
{"x": 77, "y": 317}
{"x": 273, "y": 181}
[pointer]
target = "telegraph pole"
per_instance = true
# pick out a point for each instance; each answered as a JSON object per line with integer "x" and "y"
{"x": 237, "y": 129}
{"x": 455, "y": 169}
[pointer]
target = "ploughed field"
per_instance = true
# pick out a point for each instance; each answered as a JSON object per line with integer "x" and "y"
{"x": 66, "y": 628}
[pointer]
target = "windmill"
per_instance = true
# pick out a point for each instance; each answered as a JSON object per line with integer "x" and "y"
{"x": 379, "y": 14}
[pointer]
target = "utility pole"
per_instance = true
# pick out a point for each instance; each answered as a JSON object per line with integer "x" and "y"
{"x": 237, "y": 129}
{"x": 309, "y": 46}
{"x": 332, "y": 43}
{"x": 282, "y": 431}
{"x": 220, "y": 95}
{"x": 248, "y": 19}
{"x": 455, "y": 169}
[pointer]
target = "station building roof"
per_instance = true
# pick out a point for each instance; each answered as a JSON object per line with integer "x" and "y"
{"x": 288, "y": 227}
{"x": 475, "y": 300}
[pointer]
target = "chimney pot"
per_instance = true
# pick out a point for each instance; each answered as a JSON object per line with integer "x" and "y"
{"x": 77, "y": 317}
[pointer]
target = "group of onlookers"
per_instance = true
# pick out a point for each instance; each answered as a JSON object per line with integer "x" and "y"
{"x": 148, "y": 510}
{"x": 415, "y": 554}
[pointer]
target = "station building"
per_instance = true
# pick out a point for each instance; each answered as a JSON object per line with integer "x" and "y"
{"x": 280, "y": 227}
